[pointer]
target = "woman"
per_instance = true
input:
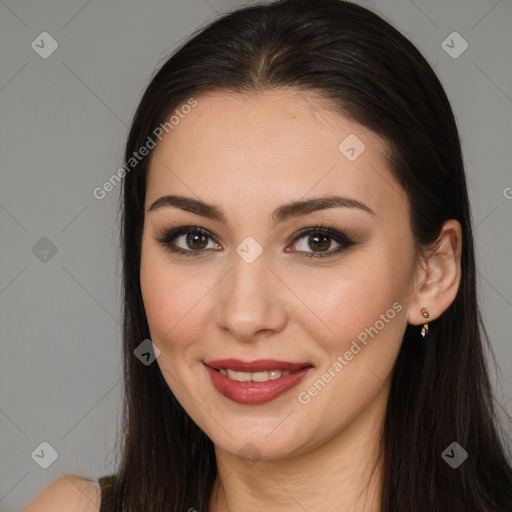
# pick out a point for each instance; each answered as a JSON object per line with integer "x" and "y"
{"x": 301, "y": 322}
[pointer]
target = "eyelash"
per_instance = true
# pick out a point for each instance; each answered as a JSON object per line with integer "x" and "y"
{"x": 168, "y": 237}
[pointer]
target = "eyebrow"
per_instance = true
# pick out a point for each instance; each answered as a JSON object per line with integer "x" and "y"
{"x": 280, "y": 214}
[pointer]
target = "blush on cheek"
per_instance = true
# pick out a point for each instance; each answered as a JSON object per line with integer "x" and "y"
{"x": 345, "y": 306}
{"x": 359, "y": 322}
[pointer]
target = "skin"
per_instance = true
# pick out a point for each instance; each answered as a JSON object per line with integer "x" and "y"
{"x": 248, "y": 155}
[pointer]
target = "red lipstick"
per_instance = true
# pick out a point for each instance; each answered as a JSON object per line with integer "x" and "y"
{"x": 251, "y": 392}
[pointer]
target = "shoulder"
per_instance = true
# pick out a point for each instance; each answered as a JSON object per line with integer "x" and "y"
{"x": 68, "y": 493}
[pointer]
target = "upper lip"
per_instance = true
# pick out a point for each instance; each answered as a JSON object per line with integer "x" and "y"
{"x": 259, "y": 365}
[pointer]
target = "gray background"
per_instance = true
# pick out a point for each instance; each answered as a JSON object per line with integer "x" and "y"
{"x": 63, "y": 124}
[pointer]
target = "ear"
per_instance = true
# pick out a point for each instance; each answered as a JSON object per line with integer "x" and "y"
{"x": 438, "y": 276}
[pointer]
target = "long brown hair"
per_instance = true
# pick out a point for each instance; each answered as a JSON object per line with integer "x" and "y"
{"x": 440, "y": 390}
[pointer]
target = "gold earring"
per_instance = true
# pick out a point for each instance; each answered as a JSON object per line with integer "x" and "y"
{"x": 424, "y": 330}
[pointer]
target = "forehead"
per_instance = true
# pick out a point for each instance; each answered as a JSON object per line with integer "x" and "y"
{"x": 284, "y": 143}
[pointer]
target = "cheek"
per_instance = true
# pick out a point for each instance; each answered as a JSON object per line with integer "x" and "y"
{"x": 363, "y": 318}
{"x": 356, "y": 301}
{"x": 174, "y": 300}
{"x": 163, "y": 294}
{"x": 166, "y": 303}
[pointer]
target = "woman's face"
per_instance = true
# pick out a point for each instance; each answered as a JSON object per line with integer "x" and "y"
{"x": 247, "y": 289}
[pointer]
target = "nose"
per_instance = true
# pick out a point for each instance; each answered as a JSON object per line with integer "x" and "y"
{"x": 252, "y": 301}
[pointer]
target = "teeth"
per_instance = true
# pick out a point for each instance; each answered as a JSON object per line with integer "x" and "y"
{"x": 254, "y": 376}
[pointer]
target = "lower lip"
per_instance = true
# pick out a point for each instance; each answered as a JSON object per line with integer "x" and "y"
{"x": 255, "y": 392}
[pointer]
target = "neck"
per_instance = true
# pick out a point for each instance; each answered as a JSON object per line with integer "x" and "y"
{"x": 344, "y": 473}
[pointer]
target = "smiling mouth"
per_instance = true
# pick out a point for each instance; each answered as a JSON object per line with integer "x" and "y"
{"x": 256, "y": 382}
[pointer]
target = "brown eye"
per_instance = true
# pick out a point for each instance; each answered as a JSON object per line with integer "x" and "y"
{"x": 319, "y": 239}
{"x": 318, "y": 243}
{"x": 194, "y": 240}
